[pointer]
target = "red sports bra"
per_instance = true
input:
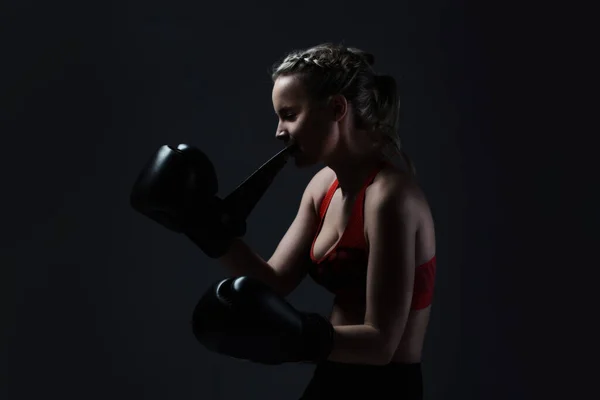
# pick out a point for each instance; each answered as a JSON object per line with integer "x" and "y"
{"x": 343, "y": 270}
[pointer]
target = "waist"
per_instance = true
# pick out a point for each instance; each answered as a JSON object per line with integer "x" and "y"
{"x": 392, "y": 367}
{"x": 333, "y": 380}
{"x": 351, "y": 311}
{"x": 361, "y": 379}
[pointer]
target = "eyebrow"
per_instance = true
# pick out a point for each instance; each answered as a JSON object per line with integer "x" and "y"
{"x": 284, "y": 109}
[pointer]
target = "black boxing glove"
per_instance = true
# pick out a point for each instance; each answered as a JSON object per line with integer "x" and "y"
{"x": 243, "y": 318}
{"x": 177, "y": 188}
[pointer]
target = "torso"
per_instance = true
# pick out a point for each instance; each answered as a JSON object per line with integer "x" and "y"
{"x": 349, "y": 310}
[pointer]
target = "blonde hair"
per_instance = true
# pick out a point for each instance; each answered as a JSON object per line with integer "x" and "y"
{"x": 329, "y": 69}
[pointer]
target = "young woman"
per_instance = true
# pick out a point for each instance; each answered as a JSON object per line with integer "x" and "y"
{"x": 363, "y": 230}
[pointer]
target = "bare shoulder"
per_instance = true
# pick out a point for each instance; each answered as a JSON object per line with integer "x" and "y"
{"x": 396, "y": 207}
{"x": 395, "y": 188}
{"x": 319, "y": 184}
{"x": 323, "y": 178}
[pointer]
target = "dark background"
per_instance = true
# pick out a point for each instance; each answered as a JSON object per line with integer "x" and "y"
{"x": 96, "y": 299}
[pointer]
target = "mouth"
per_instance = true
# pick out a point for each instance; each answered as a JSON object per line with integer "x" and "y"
{"x": 293, "y": 147}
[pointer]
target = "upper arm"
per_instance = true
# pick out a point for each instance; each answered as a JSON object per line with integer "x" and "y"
{"x": 292, "y": 255}
{"x": 391, "y": 231}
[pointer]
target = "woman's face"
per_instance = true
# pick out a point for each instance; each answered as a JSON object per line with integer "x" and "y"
{"x": 302, "y": 120}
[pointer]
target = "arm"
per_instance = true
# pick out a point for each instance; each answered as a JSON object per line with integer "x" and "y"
{"x": 391, "y": 225}
{"x": 286, "y": 268}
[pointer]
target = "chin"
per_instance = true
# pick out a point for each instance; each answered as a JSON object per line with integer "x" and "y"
{"x": 302, "y": 163}
{"x": 302, "y": 160}
{"x": 305, "y": 164}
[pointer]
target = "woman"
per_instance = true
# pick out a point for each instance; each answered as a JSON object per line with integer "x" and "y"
{"x": 363, "y": 230}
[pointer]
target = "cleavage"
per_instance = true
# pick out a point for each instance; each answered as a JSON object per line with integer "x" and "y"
{"x": 335, "y": 222}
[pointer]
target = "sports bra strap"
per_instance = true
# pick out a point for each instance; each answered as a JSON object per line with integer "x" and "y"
{"x": 335, "y": 184}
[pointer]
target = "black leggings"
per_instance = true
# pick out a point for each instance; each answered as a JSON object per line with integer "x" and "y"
{"x": 333, "y": 380}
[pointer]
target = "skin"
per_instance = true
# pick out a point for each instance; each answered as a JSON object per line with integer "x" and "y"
{"x": 398, "y": 226}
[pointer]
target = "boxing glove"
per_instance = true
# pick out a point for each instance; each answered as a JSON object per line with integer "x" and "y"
{"x": 177, "y": 188}
{"x": 243, "y": 318}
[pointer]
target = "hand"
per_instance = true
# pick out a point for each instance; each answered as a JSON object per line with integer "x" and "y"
{"x": 243, "y": 318}
{"x": 177, "y": 188}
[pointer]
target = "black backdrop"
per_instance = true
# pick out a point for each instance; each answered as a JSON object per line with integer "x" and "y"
{"x": 96, "y": 299}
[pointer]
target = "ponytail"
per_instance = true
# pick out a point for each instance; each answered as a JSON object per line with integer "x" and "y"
{"x": 393, "y": 152}
{"x": 409, "y": 164}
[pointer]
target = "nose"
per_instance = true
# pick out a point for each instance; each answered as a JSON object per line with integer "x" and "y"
{"x": 282, "y": 135}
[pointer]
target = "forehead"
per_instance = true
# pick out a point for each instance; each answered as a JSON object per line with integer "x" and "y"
{"x": 288, "y": 90}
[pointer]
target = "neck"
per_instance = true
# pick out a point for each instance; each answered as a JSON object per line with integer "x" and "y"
{"x": 351, "y": 174}
{"x": 352, "y": 161}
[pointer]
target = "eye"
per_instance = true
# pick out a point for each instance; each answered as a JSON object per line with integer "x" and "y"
{"x": 287, "y": 113}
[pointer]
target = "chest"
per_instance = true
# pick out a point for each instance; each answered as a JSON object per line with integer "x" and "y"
{"x": 342, "y": 217}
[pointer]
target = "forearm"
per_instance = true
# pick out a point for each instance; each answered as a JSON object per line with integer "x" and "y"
{"x": 241, "y": 260}
{"x": 358, "y": 344}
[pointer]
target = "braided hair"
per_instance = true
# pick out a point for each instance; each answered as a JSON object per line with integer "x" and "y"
{"x": 329, "y": 69}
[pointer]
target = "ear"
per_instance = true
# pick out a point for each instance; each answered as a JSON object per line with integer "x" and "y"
{"x": 339, "y": 106}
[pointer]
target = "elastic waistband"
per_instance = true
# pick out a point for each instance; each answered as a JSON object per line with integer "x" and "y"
{"x": 390, "y": 366}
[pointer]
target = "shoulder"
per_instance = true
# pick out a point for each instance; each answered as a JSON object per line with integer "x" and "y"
{"x": 324, "y": 177}
{"x": 394, "y": 193}
{"x": 319, "y": 184}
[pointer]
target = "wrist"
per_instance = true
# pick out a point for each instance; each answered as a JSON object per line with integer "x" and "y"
{"x": 210, "y": 236}
{"x": 318, "y": 336}
{"x": 212, "y": 229}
